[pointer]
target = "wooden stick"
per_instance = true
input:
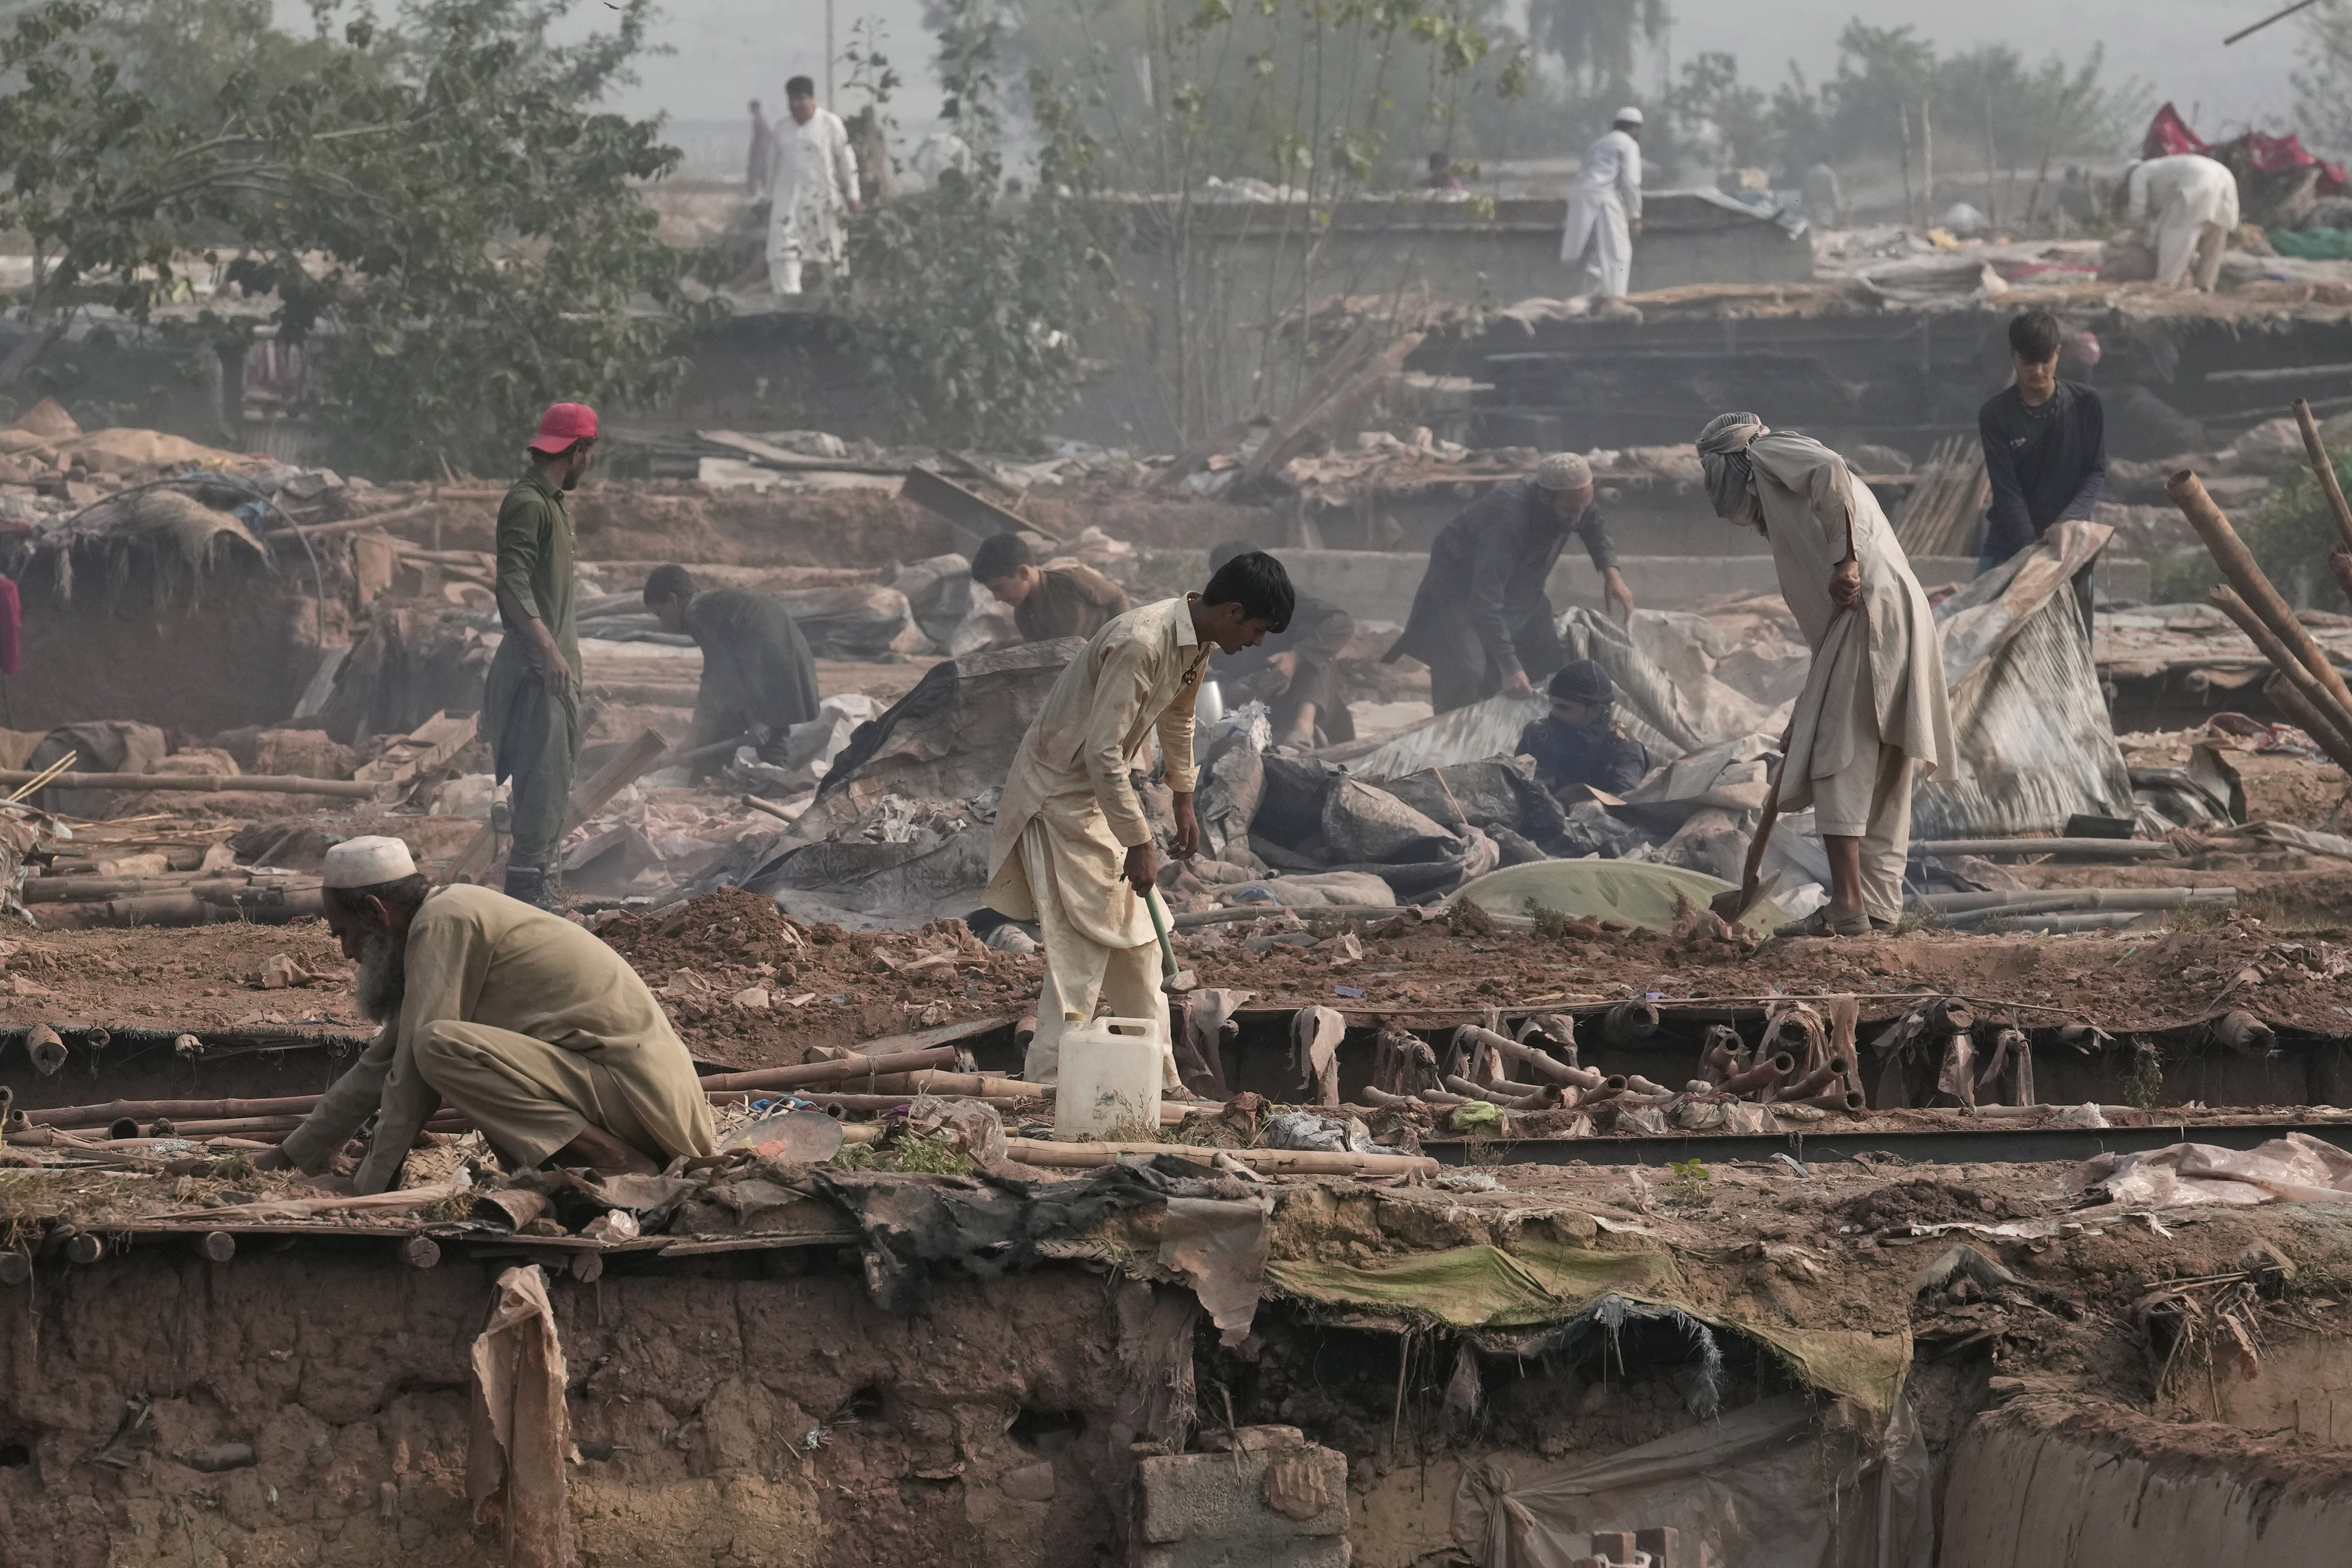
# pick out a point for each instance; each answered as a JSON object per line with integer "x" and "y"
{"x": 2324, "y": 469}
{"x": 587, "y": 799}
{"x": 2237, "y": 564}
{"x": 2334, "y": 734}
{"x": 1276, "y": 1162}
{"x": 256, "y": 783}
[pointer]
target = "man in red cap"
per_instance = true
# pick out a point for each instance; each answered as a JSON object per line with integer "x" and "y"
{"x": 530, "y": 706}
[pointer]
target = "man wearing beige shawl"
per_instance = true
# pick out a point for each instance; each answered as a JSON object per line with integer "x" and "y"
{"x": 1073, "y": 850}
{"x": 1873, "y": 719}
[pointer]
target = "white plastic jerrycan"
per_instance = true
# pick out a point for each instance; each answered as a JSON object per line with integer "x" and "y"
{"x": 1109, "y": 1083}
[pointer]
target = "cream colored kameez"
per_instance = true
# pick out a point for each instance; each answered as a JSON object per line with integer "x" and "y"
{"x": 1069, "y": 814}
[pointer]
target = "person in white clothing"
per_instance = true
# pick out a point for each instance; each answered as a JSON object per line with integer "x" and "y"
{"x": 815, "y": 186}
{"x": 2193, "y": 201}
{"x": 1605, "y": 207}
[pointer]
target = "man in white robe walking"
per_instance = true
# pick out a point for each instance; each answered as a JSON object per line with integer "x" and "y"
{"x": 1873, "y": 719}
{"x": 1073, "y": 850}
{"x": 1605, "y": 207}
{"x": 815, "y": 186}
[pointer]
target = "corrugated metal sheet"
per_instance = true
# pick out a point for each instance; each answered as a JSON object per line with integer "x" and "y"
{"x": 2032, "y": 725}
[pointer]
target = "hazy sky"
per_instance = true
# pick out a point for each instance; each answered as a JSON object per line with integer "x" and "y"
{"x": 731, "y": 50}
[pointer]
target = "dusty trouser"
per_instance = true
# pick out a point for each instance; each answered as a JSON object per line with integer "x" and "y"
{"x": 1081, "y": 971}
{"x": 1597, "y": 224}
{"x": 529, "y": 1098}
{"x": 1462, "y": 670}
{"x": 1870, "y": 799}
{"x": 534, "y": 741}
{"x": 2184, "y": 242}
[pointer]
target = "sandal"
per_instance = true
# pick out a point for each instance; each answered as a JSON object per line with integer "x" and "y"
{"x": 1820, "y": 924}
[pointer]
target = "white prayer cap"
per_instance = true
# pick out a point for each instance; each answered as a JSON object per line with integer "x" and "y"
{"x": 368, "y": 863}
{"x": 1628, "y": 115}
{"x": 1563, "y": 471}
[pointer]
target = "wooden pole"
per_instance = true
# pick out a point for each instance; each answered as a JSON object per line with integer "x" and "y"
{"x": 2238, "y": 564}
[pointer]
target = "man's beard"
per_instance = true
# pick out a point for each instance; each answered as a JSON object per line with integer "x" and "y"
{"x": 383, "y": 974}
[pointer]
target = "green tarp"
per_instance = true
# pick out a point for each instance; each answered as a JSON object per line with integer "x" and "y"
{"x": 1471, "y": 1288}
{"x": 2313, "y": 245}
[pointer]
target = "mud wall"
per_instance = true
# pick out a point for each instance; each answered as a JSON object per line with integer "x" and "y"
{"x": 723, "y": 1416}
{"x": 2034, "y": 1488}
{"x": 195, "y": 654}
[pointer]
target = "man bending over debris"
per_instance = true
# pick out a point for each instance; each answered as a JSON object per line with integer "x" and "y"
{"x": 531, "y": 703}
{"x": 1296, "y": 671}
{"x": 1872, "y": 720}
{"x": 1048, "y": 602}
{"x": 757, "y": 675}
{"x": 1482, "y": 621}
{"x": 527, "y": 1025}
{"x": 1576, "y": 749}
{"x": 1072, "y": 848}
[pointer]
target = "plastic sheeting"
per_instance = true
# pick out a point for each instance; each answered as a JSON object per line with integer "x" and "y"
{"x": 521, "y": 1429}
{"x": 1769, "y": 1486}
{"x": 2297, "y": 1168}
{"x": 2032, "y": 727}
{"x": 1663, "y": 666}
{"x": 1639, "y": 893}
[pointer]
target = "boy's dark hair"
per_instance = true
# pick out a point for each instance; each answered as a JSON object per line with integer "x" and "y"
{"x": 999, "y": 557}
{"x": 800, "y": 87}
{"x": 669, "y": 582}
{"x": 2036, "y": 336}
{"x": 1256, "y": 581}
{"x": 407, "y": 893}
{"x": 1224, "y": 551}
{"x": 1439, "y": 163}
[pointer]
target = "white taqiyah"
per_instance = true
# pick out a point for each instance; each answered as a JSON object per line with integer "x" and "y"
{"x": 368, "y": 863}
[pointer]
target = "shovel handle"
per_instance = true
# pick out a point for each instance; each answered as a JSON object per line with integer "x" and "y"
{"x": 1160, "y": 928}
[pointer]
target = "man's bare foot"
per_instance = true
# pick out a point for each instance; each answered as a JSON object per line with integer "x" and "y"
{"x": 600, "y": 1151}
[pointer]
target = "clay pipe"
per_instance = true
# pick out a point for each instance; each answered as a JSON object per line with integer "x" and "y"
{"x": 1630, "y": 1023}
{"x": 1763, "y": 1075}
{"x": 1718, "y": 1064}
{"x": 47, "y": 1052}
{"x": 1440, "y": 1097}
{"x": 1637, "y": 1084}
{"x": 1513, "y": 1050}
{"x": 1463, "y": 1086}
{"x": 1813, "y": 1082}
{"x": 1945, "y": 1015}
{"x": 1831, "y": 1100}
{"x": 1558, "y": 1029}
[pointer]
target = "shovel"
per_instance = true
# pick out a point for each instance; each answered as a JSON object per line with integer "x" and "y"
{"x": 1734, "y": 903}
{"x": 1172, "y": 980}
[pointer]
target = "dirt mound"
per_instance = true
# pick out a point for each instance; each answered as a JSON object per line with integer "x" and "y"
{"x": 1927, "y": 1203}
{"x": 850, "y": 987}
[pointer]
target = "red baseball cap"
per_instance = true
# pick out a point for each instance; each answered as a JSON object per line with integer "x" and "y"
{"x": 563, "y": 424}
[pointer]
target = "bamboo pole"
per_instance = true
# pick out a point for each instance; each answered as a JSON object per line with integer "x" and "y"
{"x": 2323, "y": 470}
{"x": 2237, "y": 564}
{"x": 256, "y": 783}
{"x": 1271, "y": 1162}
{"x": 2333, "y": 731}
{"x": 2309, "y": 719}
{"x": 843, "y": 1072}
